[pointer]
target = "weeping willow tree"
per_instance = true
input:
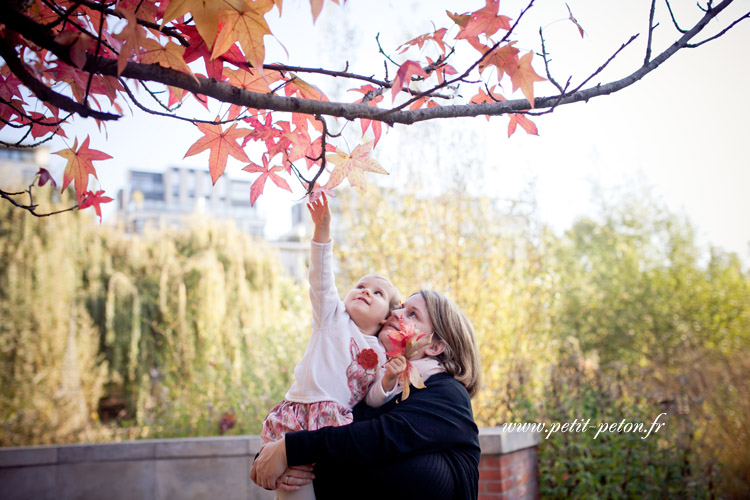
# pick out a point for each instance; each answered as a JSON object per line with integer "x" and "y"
{"x": 173, "y": 333}
{"x": 52, "y": 371}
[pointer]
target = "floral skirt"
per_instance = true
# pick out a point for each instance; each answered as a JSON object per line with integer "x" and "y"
{"x": 289, "y": 416}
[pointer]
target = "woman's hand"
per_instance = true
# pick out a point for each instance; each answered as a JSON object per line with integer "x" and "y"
{"x": 270, "y": 465}
{"x": 296, "y": 476}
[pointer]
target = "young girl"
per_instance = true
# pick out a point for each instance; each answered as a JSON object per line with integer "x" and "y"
{"x": 343, "y": 353}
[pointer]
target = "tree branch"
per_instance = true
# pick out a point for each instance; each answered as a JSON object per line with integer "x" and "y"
{"x": 45, "y": 93}
{"x": 233, "y": 95}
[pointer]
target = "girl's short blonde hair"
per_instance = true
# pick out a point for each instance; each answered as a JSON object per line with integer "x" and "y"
{"x": 461, "y": 355}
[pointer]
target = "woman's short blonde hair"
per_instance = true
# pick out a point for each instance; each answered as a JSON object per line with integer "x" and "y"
{"x": 461, "y": 355}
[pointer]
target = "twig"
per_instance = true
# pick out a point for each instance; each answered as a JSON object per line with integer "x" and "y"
{"x": 694, "y": 45}
{"x": 96, "y": 53}
{"x": 159, "y": 113}
{"x": 546, "y": 64}
{"x": 380, "y": 49}
{"x": 674, "y": 20}
{"x": 322, "y": 157}
{"x": 650, "y": 32}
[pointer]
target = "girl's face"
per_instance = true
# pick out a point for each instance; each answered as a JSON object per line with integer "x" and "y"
{"x": 413, "y": 310}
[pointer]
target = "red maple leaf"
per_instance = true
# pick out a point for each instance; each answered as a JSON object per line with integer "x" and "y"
{"x": 574, "y": 21}
{"x": 265, "y": 173}
{"x": 404, "y": 74}
{"x": 222, "y": 144}
{"x": 317, "y": 192}
{"x": 80, "y": 165}
{"x": 45, "y": 177}
{"x": 377, "y": 127}
{"x": 485, "y": 20}
{"x": 406, "y": 341}
{"x": 95, "y": 200}
{"x": 265, "y": 132}
{"x": 9, "y": 87}
{"x": 40, "y": 127}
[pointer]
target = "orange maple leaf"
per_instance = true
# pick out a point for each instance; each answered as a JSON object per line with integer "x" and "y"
{"x": 483, "y": 96}
{"x": 205, "y": 14}
{"x": 525, "y": 123}
{"x": 404, "y": 74}
{"x": 222, "y": 143}
{"x": 353, "y": 166}
{"x": 133, "y": 35}
{"x": 524, "y": 77}
{"x": 169, "y": 56}
{"x": 504, "y": 58}
{"x": 296, "y": 85}
{"x": 436, "y": 36}
{"x": 485, "y": 20}
{"x": 244, "y": 24}
{"x": 80, "y": 165}
{"x": 317, "y": 7}
{"x": 265, "y": 173}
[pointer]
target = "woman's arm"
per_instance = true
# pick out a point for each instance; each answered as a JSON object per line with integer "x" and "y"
{"x": 433, "y": 419}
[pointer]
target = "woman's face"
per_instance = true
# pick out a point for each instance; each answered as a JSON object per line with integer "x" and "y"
{"x": 413, "y": 310}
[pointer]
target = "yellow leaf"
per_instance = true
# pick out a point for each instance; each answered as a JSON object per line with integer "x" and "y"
{"x": 205, "y": 14}
{"x": 353, "y": 166}
{"x": 169, "y": 56}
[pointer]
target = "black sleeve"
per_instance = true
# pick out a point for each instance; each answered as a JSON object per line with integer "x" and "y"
{"x": 430, "y": 420}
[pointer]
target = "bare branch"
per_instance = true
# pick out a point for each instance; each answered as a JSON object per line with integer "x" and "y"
{"x": 31, "y": 206}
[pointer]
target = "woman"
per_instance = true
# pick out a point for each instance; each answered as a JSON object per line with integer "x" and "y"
{"x": 426, "y": 446}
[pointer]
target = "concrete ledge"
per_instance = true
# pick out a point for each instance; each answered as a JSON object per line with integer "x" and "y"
{"x": 193, "y": 468}
{"x": 494, "y": 441}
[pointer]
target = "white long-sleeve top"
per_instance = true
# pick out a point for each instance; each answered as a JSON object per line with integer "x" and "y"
{"x": 330, "y": 370}
{"x": 377, "y": 396}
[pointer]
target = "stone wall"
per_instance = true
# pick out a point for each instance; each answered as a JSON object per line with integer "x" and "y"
{"x": 214, "y": 468}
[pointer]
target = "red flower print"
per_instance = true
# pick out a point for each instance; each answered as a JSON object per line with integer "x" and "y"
{"x": 367, "y": 359}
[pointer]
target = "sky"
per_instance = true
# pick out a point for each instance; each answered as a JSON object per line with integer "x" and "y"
{"x": 680, "y": 132}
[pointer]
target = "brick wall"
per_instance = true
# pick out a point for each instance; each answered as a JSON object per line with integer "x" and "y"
{"x": 510, "y": 476}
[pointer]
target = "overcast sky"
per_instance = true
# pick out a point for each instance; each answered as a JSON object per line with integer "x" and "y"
{"x": 681, "y": 131}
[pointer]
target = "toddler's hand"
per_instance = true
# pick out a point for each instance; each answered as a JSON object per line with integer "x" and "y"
{"x": 321, "y": 217}
{"x": 393, "y": 368}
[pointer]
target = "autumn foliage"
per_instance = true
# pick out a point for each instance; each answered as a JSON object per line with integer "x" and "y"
{"x": 97, "y": 59}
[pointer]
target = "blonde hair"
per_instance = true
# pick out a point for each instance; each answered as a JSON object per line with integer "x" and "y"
{"x": 461, "y": 355}
{"x": 394, "y": 298}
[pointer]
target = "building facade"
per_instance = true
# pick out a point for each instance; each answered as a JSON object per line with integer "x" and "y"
{"x": 169, "y": 198}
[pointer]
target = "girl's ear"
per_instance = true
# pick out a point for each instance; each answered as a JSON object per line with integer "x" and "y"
{"x": 436, "y": 348}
